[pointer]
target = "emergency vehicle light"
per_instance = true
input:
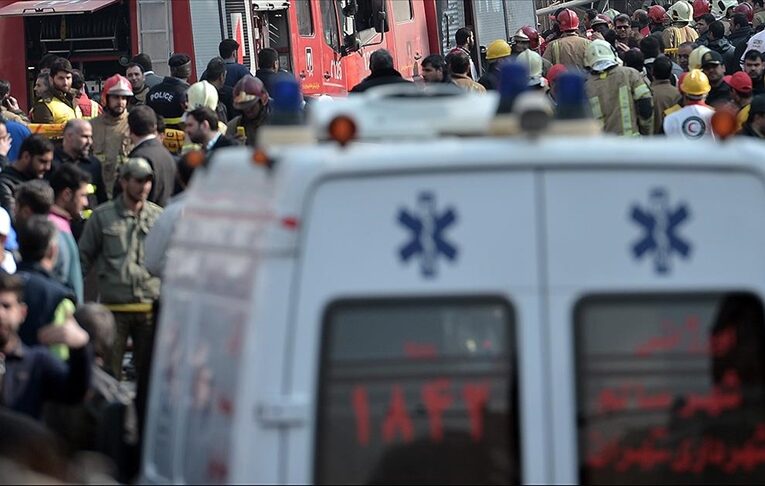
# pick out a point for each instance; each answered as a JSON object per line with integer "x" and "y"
{"x": 724, "y": 123}
{"x": 571, "y": 97}
{"x": 513, "y": 80}
{"x": 287, "y": 101}
{"x": 342, "y": 129}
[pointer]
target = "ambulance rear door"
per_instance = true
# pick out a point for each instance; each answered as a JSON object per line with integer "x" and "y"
{"x": 656, "y": 276}
{"x": 417, "y": 338}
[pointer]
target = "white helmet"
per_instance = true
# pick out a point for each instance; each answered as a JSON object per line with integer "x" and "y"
{"x": 600, "y": 56}
{"x": 202, "y": 94}
{"x": 681, "y": 12}
{"x": 720, "y": 7}
{"x": 533, "y": 61}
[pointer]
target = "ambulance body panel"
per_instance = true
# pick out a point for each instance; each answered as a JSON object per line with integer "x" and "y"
{"x": 509, "y": 310}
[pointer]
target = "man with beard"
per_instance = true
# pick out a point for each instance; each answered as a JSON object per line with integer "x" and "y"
{"x": 134, "y": 74}
{"x": 111, "y": 135}
{"x": 58, "y": 105}
{"x": 113, "y": 243}
{"x": 34, "y": 162}
{"x": 754, "y": 65}
{"x": 201, "y": 128}
{"x": 75, "y": 149}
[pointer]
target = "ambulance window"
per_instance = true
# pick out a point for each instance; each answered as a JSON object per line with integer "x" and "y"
{"x": 304, "y": 17}
{"x": 402, "y": 10}
{"x": 670, "y": 389}
{"x": 331, "y": 29}
{"x": 418, "y": 391}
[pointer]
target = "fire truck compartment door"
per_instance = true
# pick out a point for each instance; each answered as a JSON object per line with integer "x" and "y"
{"x": 53, "y": 7}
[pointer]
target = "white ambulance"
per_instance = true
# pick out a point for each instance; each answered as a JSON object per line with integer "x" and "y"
{"x": 454, "y": 309}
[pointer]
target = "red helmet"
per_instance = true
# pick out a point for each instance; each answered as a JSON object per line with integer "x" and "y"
{"x": 657, "y": 14}
{"x": 568, "y": 20}
{"x": 533, "y": 36}
{"x": 248, "y": 91}
{"x": 116, "y": 85}
{"x": 746, "y": 9}
{"x": 701, "y": 8}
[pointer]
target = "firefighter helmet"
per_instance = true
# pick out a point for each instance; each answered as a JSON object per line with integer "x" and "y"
{"x": 701, "y": 8}
{"x": 694, "y": 60}
{"x": 568, "y": 20}
{"x": 528, "y": 34}
{"x": 116, "y": 85}
{"x": 681, "y": 12}
{"x": 600, "y": 56}
{"x": 497, "y": 50}
{"x": 696, "y": 83}
{"x": 601, "y": 19}
{"x": 720, "y": 8}
{"x": 533, "y": 61}
{"x": 611, "y": 13}
{"x": 657, "y": 14}
{"x": 248, "y": 91}
{"x": 202, "y": 94}
{"x": 746, "y": 9}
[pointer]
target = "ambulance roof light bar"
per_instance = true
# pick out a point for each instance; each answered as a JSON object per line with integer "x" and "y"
{"x": 408, "y": 111}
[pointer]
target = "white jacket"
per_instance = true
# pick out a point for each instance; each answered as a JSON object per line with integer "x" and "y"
{"x": 692, "y": 122}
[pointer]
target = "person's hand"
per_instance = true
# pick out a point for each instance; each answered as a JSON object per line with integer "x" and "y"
{"x": 69, "y": 334}
{"x": 5, "y": 145}
{"x": 621, "y": 47}
{"x": 13, "y": 104}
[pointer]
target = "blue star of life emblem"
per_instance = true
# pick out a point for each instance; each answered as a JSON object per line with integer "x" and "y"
{"x": 659, "y": 222}
{"x": 426, "y": 226}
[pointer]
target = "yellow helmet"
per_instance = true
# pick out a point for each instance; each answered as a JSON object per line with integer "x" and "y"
{"x": 600, "y": 56}
{"x": 696, "y": 83}
{"x": 694, "y": 60}
{"x": 202, "y": 94}
{"x": 680, "y": 12}
{"x": 497, "y": 50}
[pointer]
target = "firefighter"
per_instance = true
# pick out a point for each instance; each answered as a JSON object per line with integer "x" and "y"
{"x": 111, "y": 135}
{"x": 251, "y": 98}
{"x": 527, "y": 38}
{"x": 681, "y": 15}
{"x": 693, "y": 120}
{"x": 600, "y": 25}
{"x": 700, "y": 8}
{"x": 658, "y": 17}
{"x": 204, "y": 94}
{"x": 498, "y": 51}
{"x": 89, "y": 108}
{"x": 722, "y": 9}
{"x": 569, "y": 49}
{"x": 534, "y": 65}
{"x": 58, "y": 105}
{"x": 168, "y": 98}
{"x": 758, "y": 20}
{"x": 619, "y": 96}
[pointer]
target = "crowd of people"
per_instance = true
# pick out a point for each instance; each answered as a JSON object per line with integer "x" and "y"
{"x": 84, "y": 218}
{"x": 662, "y": 70}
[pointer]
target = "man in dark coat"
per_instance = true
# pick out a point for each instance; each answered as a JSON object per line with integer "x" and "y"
{"x": 147, "y": 145}
{"x": 381, "y": 65}
{"x": 202, "y": 128}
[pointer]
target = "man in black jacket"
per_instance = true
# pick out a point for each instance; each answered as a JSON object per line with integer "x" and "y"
{"x": 381, "y": 65}
{"x": 32, "y": 375}
{"x": 35, "y": 158}
{"x": 740, "y": 33}
{"x": 718, "y": 43}
{"x": 201, "y": 128}
{"x": 75, "y": 149}
{"x": 168, "y": 98}
{"x": 147, "y": 145}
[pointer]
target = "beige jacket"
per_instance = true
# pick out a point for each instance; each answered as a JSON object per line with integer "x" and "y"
{"x": 664, "y": 96}
{"x": 467, "y": 84}
{"x": 568, "y": 50}
{"x": 111, "y": 145}
{"x": 613, "y": 95}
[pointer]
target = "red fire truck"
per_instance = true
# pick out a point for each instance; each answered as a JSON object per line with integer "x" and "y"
{"x": 326, "y": 43}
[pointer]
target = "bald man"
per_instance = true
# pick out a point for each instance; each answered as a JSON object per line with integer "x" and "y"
{"x": 75, "y": 149}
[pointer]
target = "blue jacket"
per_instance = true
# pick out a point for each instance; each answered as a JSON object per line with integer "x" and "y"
{"x": 235, "y": 72}
{"x": 42, "y": 294}
{"x": 34, "y": 376}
